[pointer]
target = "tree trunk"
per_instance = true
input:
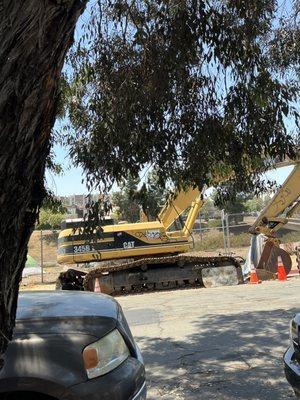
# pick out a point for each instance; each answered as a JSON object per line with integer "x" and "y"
{"x": 34, "y": 38}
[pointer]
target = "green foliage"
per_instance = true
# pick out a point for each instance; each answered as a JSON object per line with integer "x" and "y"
{"x": 128, "y": 208}
{"x": 130, "y": 201}
{"x": 214, "y": 223}
{"x": 234, "y": 206}
{"x": 256, "y": 203}
{"x": 49, "y": 219}
{"x": 187, "y": 87}
{"x": 214, "y": 240}
{"x": 51, "y": 165}
{"x": 209, "y": 209}
{"x": 237, "y": 206}
{"x": 52, "y": 204}
{"x": 152, "y": 196}
{"x": 243, "y": 203}
{"x": 285, "y": 45}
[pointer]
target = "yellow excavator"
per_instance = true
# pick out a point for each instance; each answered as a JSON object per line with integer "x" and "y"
{"x": 135, "y": 257}
{"x": 280, "y": 211}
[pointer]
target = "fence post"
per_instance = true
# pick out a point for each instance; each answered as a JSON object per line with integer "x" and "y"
{"x": 223, "y": 229}
{"x": 42, "y": 258}
{"x": 227, "y": 233}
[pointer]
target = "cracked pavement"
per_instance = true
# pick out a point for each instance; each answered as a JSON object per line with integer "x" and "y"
{"x": 218, "y": 343}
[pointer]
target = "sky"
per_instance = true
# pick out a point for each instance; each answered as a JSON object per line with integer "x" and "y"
{"x": 70, "y": 181}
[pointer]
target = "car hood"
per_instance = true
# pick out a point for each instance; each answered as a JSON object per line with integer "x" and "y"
{"x": 66, "y": 312}
{"x": 60, "y": 303}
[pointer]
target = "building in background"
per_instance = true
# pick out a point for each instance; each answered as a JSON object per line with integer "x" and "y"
{"x": 77, "y": 204}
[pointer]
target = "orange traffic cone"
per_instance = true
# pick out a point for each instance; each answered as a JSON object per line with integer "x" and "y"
{"x": 253, "y": 276}
{"x": 281, "y": 274}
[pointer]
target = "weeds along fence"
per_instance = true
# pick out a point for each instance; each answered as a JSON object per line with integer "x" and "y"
{"x": 42, "y": 256}
{"x": 222, "y": 231}
{"x": 227, "y": 232}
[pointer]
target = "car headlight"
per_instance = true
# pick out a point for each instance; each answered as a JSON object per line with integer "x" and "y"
{"x": 105, "y": 355}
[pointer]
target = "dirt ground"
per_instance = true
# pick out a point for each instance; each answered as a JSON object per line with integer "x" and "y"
{"x": 37, "y": 282}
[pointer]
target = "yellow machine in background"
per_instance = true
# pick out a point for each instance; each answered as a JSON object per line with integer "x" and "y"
{"x": 134, "y": 239}
{"x": 279, "y": 212}
{"x": 145, "y": 255}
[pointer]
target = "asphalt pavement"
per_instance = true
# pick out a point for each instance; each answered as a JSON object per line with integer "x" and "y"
{"x": 218, "y": 343}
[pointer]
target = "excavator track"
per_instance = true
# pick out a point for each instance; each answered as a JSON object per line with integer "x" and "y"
{"x": 161, "y": 273}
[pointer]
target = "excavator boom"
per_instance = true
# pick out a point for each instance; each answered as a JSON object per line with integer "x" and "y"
{"x": 279, "y": 212}
{"x": 176, "y": 206}
{"x": 283, "y": 205}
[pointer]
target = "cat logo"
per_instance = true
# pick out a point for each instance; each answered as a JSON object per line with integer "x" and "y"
{"x": 128, "y": 245}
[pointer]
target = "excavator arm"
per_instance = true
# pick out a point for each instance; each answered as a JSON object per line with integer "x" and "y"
{"x": 281, "y": 208}
{"x": 176, "y": 206}
{"x": 278, "y": 213}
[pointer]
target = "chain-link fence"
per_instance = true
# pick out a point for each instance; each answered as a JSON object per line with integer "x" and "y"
{"x": 229, "y": 233}
{"x": 41, "y": 265}
{"x": 221, "y": 232}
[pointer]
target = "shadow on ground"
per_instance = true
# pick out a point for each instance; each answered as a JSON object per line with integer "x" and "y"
{"x": 236, "y": 356}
